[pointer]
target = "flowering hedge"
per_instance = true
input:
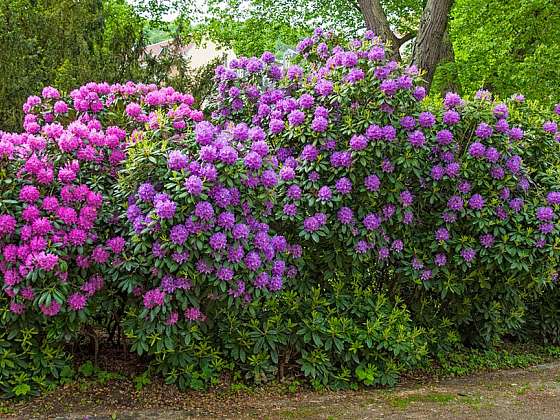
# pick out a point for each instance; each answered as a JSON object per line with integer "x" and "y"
{"x": 448, "y": 197}
{"x": 122, "y": 205}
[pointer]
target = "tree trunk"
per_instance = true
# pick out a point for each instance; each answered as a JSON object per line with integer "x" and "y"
{"x": 431, "y": 44}
{"x": 451, "y": 83}
{"x": 376, "y": 20}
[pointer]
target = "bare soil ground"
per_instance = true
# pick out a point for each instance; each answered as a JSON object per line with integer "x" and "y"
{"x": 532, "y": 393}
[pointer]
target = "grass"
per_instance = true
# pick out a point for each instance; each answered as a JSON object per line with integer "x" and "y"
{"x": 471, "y": 361}
{"x": 402, "y": 403}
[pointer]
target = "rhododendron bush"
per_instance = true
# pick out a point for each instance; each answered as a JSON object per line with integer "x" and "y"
{"x": 377, "y": 184}
{"x": 123, "y": 205}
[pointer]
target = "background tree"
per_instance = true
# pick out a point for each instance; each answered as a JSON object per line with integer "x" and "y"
{"x": 508, "y": 47}
{"x": 65, "y": 43}
{"x": 396, "y": 21}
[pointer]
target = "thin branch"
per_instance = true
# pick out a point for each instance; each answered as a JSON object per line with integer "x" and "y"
{"x": 406, "y": 38}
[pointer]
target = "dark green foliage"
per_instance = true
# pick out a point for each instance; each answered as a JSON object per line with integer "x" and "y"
{"x": 336, "y": 338}
{"x": 30, "y": 363}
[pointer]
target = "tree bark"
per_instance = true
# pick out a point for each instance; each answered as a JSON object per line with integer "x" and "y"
{"x": 376, "y": 20}
{"x": 432, "y": 44}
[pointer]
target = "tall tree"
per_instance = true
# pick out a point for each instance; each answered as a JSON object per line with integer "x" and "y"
{"x": 395, "y": 21}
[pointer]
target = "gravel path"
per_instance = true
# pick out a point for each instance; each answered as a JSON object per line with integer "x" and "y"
{"x": 532, "y": 393}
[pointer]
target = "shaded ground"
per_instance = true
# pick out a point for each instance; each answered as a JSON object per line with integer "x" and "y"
{"x": 509, "y": 394}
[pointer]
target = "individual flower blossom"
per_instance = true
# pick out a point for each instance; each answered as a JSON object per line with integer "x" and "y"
{"x": 407, "y": 122}
{"x": 516, "y": 133}
{"x": 440, "y": 260}
{"x": 416, "y": 139}
{"x": 449, "y": 217}
{"x": 51, "y": 309}
{"x": 343, "y": 185}
{"x": 29, "y": 194}
{"x": 453, "y": 169}
{"x": 204, "y": 210}
{"x": 553, "y": 198}
{"x": 487, "y": 240}
{"x": 371, "y": 221}
{"x": 497, "y": 172}
{"x": 426, "y": 275}
{"x": 444, "y": 137}
{"x": 324, "y": 194}
{"x": 455, "y": 203}
{"x": 389, "y": 133}
{"x": 372, "y": 183}
{"x": 476, "y": 202}
{"x": 451, "y": 117}
{"x": 452, "y": 100}
{"x": 408, "y": 217}
{"x": 253, "y": 160}
{"x": 383, "y": 253}
{"x": 311, "y": 224}
{"x": 172, "y": 319}
{"x": 194, "y": 314}
{"x": 492, "y": 154}
{"x": 468, "y": 254}
{"x": 228, "y": 155}
{"x": 165, "y": 209}
{"x": 46, "y": 261}
{"x": 523, "y": 184}
{"x": 550, "y": 127}
{"x": 178, "y": 234}
{"x": 483, "y": 95}
{"x": 17, "y": 308}
{"x": 361, "y": 247}
{"x": 77, "y": 301}
{"x": 146, "y": 192}
{"x": 276, "y": 126}
{"x": 442, "y": 235}
{"x": 319, "y": 124}
{"x": 502, "y": 126}
{"x": 500, "y": 111}
{"x": 287, "y": 173}
{"x": 464, "y": 187}
{"x": 389, "y": 87}
{"x": 314, "y": 176}
{"x": 516, "y": 204}
{"x": 7, "y": 224}
{"x": 193, "y": 185}
{"x": 324, "y": 87}
{"x": 268, "y": 178}
{"x": 345, "y": 215}
{"x": 153, "y": 298}
{"x": 546, "y": 228}
{"x": 514, "y": 164}
{"x": 406, "y": 198}
{"x": 177, "y": 161}
{"x": 358, "y": 143}
{"x": 309, "y": 153}
{"x": 545, "y": 214}
{"x": 294, "y": 192}
{"x": 387, "y": 166}
{"x": 417, "y": 264}
{"x": 426, "y": 119}
{"x": 218, "y": 241}
{"x": 99, "y": 255}
{"x": 437, "y": 172}
{"x": 477, "y": 150}
{"x": 290, "y": 210}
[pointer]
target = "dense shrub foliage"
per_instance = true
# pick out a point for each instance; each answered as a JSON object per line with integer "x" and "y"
{"x": 324, "y": 220}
